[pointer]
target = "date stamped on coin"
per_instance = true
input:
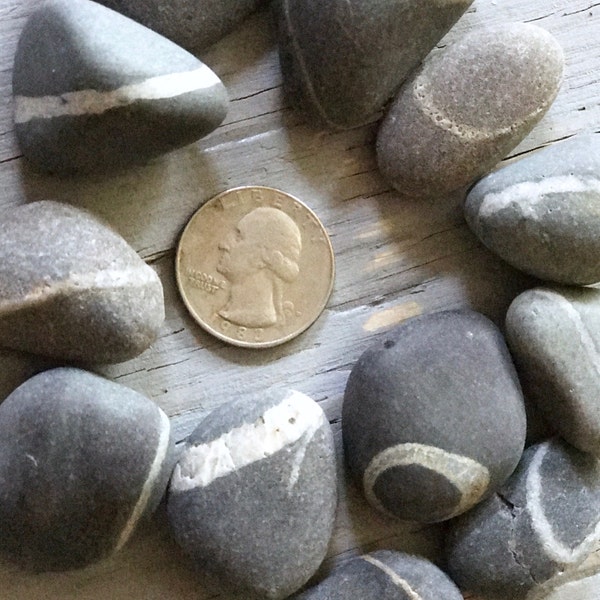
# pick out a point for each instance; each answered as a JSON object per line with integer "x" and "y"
{"x": 255, "y": 266}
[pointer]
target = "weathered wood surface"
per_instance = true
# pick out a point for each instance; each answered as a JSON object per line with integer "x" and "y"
{"x": 394, "y": 260}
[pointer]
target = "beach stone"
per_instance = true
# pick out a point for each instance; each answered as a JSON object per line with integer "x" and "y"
{"x": 342, "y": 61}
{"x": 96, "y": 91}
{"x": 73, "y": 289}
{"x": 433, "y": 419}
{"x": 82, "y": 460}
{"x": 554, "y": 336}
{"x": 540, "y": 214}
{"x": 384, "y": 575}
{"x": 544, "y": 520}
{"x": 193, "y": 24}
{"x": 575, "y": 584}
{"x": 253, "y": 495}
{"x": 467, "y": 107}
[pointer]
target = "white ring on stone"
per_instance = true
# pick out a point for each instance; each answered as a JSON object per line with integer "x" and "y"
{"x": 469, "y": 476}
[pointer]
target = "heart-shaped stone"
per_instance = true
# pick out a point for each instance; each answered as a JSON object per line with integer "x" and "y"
{"x": 342, "y": 61}
{"x": 95, "y": 90}
{"x": 73, "y": 289}
{"x": 193, "y": 24}
{"x": 467, "y": 107}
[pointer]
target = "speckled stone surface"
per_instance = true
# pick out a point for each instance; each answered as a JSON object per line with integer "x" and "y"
{"x": 544, "y": 519}
{"x": 433, "y": 418}
{"x": 342, "y": 61}
{"x": 541, "y": 214}
{"x": 467, "y": 107}
{"x": 193, "y": 24}
{"x": 82, "y": 460}
{"x": 554, "y": 336}
{"x": 253, "y": 495}
{"x": 95, "y": 91}
{"x": 384, "y": 575}
{"x": 73, "y": 289}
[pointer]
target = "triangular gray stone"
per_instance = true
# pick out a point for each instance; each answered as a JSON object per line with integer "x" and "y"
{"x": 95, "y": 91}
{"x": 342, "y": 61}
{"x": 72, "y": 288}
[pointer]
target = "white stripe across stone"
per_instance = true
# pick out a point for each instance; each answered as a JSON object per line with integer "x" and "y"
{"x": 398, "y": 581}
{"x": 105, "y": 279}
{"x": 467, "y": 475}
{"x": 296, "y": 416}
{"x": 527, "y": 194}
{"x": 552, "y": 546}
{"x": 154, "y": 471}
{"x": 95, "y": 102}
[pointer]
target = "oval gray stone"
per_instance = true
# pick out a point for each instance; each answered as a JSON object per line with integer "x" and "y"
{"x": 541, "y": 214}
{"x": 82, "y": 460}
{"x": 96, "y": 91}
{"x": 253, "y": 495}
{"x": 554, "y": 336}
{"x": 544, "y": 520}
{"x": 342, "y": 61}
{"x": 193, "y": 24}
{"x": 384, "y": 575}
{"x": 73, "y": 289}
{"x": 467, "y": 107}
{"x": 433, "y": 419}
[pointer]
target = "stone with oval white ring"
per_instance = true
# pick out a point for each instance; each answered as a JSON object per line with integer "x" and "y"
{"x": 433, "y": 417}
{"x": 544, "y": 520}
{"x": 253, "y": 495}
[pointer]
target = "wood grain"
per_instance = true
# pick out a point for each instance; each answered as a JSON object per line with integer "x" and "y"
{"x": 395, "y": 259}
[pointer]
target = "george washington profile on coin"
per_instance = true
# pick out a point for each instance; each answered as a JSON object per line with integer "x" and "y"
{"x": 258, "y": 258}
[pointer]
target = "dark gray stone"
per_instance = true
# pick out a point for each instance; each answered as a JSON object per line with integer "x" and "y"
{"x": 15, "y": 368}
{"x": 545, "y": 519}
{"x": 95, "y": 91}
{"x": 73, "y": 289}
{"x": 342, "y": 61}
{"x": 433, "y": 418}
{"x": 554, "y": 335}
{"x": 253, "y": 495}
{"x": 193, "y": 24}
{"x": 384, "y": 575}
{"x": 82, "y": 460}
{"x": 541, "y": 214}
{"x": 467, "y": 107}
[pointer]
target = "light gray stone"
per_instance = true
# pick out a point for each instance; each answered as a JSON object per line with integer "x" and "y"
{"x": 193, "y": 24}
{"x": 433, "y": 419}
{"x": 95, "y": 91}
{"x": 467, "y": 107}
{"x": 342, "y": 61}
{"x": 253, "y": 495}
{"x": 545, "y": 519}
{"x": 541, "y": 214}
{"x": 554, "y": 336}
{"x": 575, "y": 584}
{"x": 384, "y": 575}
{"x": 82, "y": 460}
{"x": 73, "y": 289}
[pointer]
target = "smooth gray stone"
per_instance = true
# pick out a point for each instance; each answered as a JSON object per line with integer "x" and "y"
{"x": 384, "y": 575}
{"x": 82, "y": 460}
{"x": 253, "y": 495}
{"x": 95, "y": 91}
{"x": 433, "y": 419}
{"x": 545, "y": 519}
{"x": 467, "y": 107}
{"x": 73, "y": 289}
{"x": 554, "y": 336}
{"x": 342, "y": 61}
{"x": 541, "y": 214}
{"x": 193, "y": 24}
